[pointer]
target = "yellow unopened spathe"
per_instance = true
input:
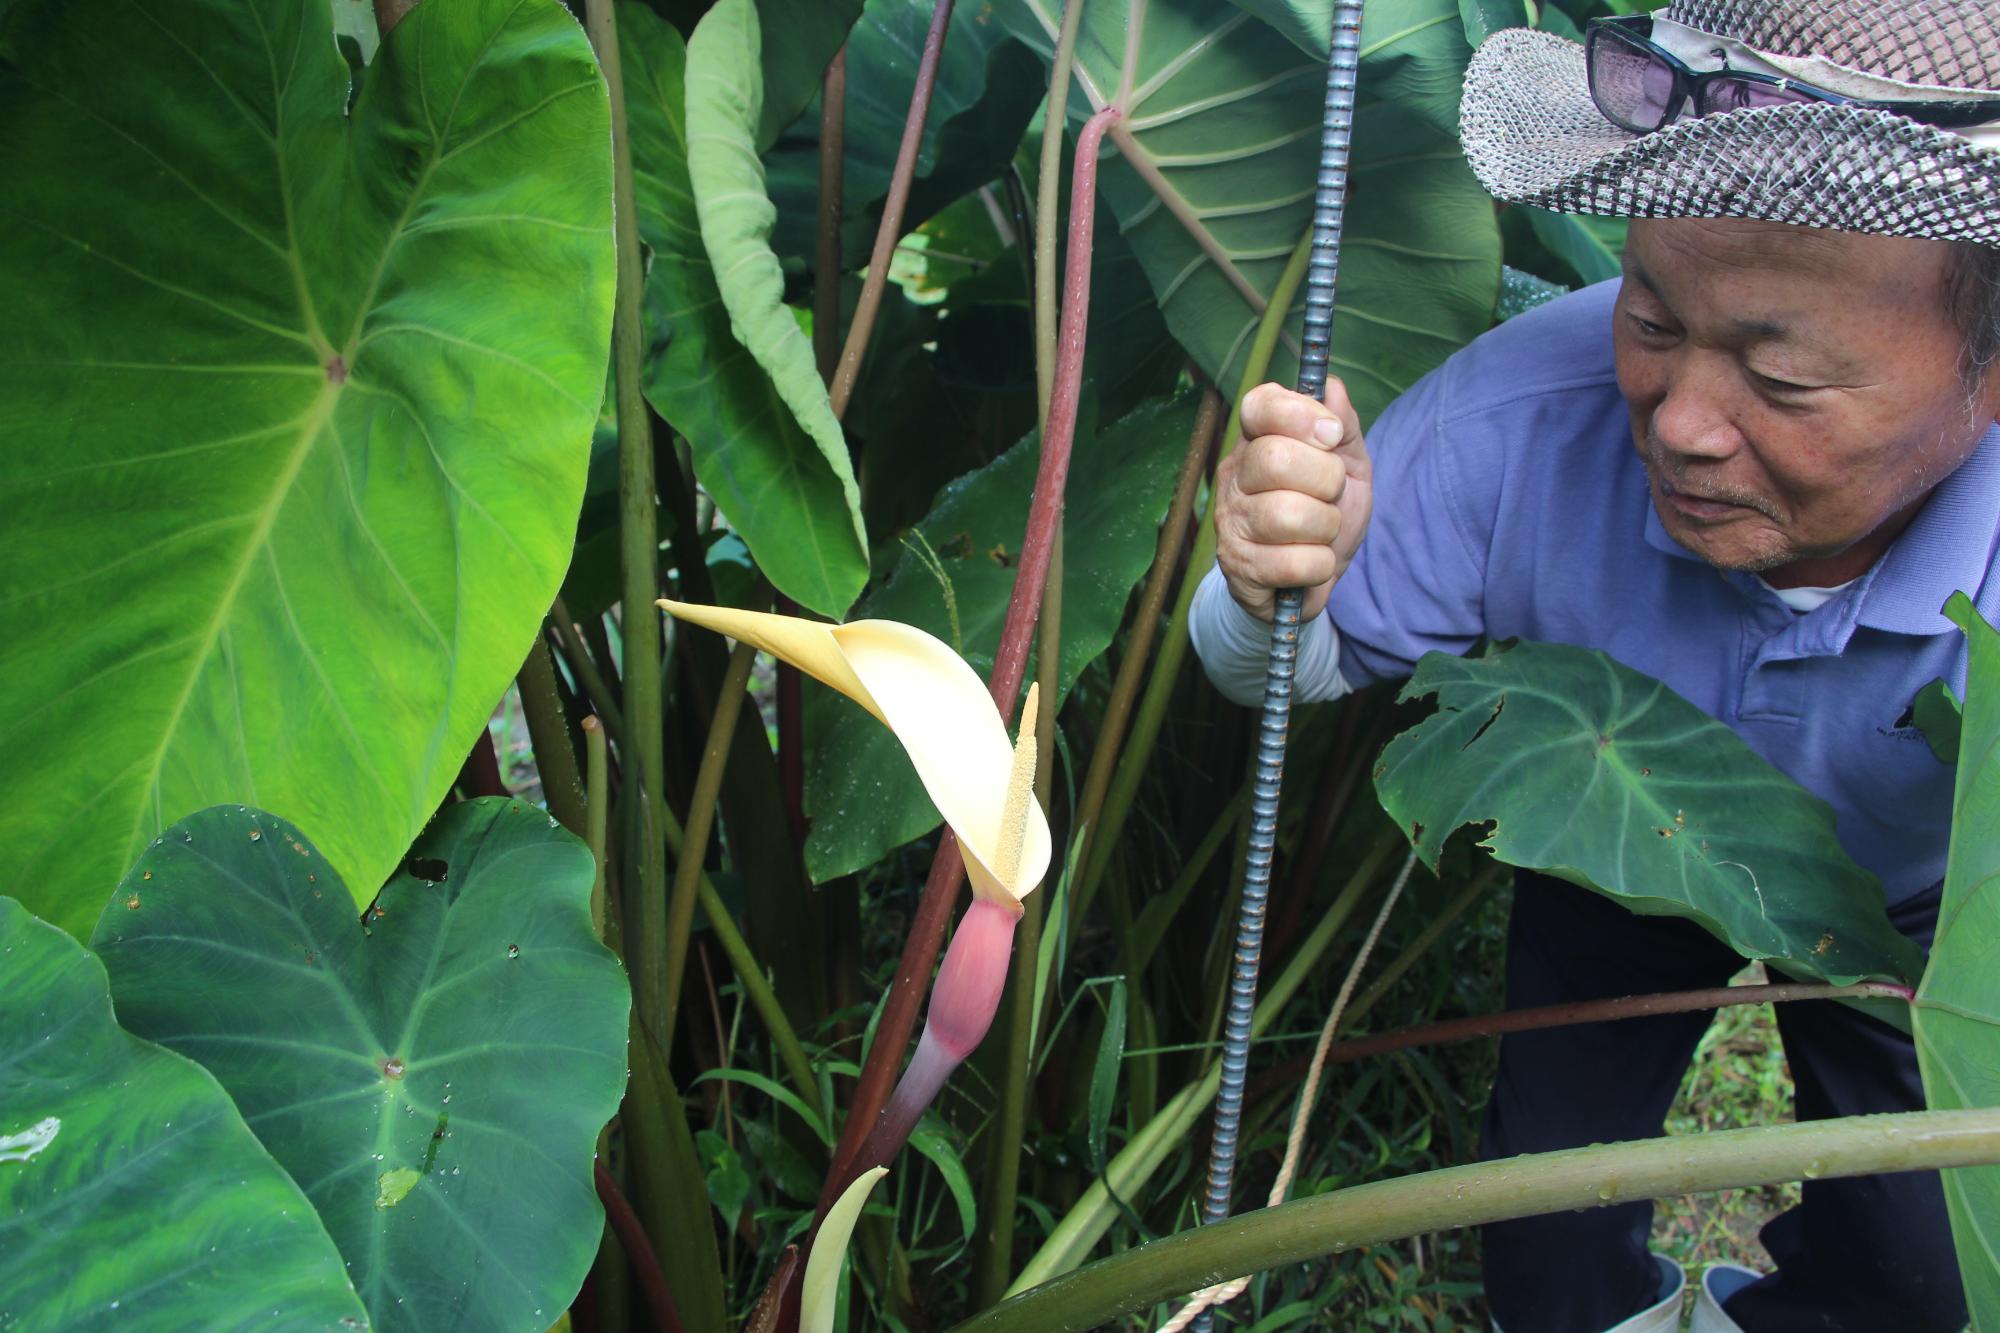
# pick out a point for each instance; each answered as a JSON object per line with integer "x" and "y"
{"x": 939, "y": 709}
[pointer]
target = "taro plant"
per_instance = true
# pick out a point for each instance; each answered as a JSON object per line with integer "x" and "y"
{"x": 407, "y": 926}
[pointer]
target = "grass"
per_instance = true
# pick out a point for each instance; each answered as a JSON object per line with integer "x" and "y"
{"x": 1413, "y": 1112}
{"x": 1737, "y": 1079}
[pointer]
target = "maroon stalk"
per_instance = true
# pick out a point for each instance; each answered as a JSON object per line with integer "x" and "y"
{"x": 920, "y": 948}
{"x": 639, "y": 1251}
{"x": 826, "y": 250}
{"x": 480, "y": 774}
{"x": 893, "y": 207}
{"x": 1604, "y": 1011}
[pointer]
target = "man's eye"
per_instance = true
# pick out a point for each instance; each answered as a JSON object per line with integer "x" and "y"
{"x": 1776, "y": 385}
{"x": 1647, "y": 328}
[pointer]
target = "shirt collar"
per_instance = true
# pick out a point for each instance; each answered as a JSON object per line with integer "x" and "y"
{"x": 1949, "y": 547}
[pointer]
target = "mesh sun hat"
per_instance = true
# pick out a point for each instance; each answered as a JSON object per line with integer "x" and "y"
{"x": 1534, "y": 136}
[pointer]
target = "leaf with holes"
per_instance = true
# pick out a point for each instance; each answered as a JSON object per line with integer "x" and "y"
{"x": 953, "y": 579}
{"x": 1957, "y": 1013}
{"x": 206, "y": 1230}
{"x": 1210, "y": 171}
{"x": 434, "y": 1078}
{"x": 780, "y": 493}
{"x": 298, "y": 403}
{"x": 1591, "y": 771}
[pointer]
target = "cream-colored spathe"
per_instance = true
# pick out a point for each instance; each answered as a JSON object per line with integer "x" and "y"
{"x": 942, "y": 713}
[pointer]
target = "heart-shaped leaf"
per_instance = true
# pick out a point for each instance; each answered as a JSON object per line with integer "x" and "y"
{"x": 298, "y": 401}
{"x": 434, "y": 1078}
{"x": 954, "y": 578}
{"x": 792, "y": 501}
{"x": 1211, "y": 169}
{"x": 1597, "y": 773}
{"x": 1957, "y": 1014}
{"x": 131, "y": 1192}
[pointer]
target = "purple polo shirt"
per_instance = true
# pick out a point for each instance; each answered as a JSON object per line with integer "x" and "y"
{"x": 1509, "y": 502}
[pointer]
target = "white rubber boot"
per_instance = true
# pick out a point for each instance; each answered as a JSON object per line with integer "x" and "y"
{"x": 1663, "y": 1315}
{"x": 1718, "y": 1283}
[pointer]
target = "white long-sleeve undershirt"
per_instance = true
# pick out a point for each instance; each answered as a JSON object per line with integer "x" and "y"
{"x": 1233, "y": 646}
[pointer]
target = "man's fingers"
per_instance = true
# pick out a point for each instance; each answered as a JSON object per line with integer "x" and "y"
{"x": 1278, "y": 518}
{"x": 1278, "y": 463}
{"x": 1260, "y": 569}
{"x": 1272, "y": 409}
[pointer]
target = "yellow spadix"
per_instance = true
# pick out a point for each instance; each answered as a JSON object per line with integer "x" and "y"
{"x": 944, "y": 716}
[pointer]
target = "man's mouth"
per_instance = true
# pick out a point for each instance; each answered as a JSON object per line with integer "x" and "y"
{"x": 1703, "y": 508}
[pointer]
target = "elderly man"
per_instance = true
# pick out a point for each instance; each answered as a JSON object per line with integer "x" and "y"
{"x": 1755, "y": 468}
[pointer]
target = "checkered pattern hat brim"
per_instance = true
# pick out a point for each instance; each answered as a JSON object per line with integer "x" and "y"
{"x": 1534, "y": 136}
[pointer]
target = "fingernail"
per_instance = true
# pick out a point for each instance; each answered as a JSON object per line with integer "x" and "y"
{"x": 1328, "y": 431}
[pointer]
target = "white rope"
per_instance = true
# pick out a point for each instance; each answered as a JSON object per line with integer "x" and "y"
{"x": 1295, "y": 1143}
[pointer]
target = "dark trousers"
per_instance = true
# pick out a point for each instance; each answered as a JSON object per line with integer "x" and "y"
{"x": 1872, "y": 1254}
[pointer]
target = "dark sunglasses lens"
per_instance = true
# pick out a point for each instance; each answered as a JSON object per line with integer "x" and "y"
{"x": 1722, "y": 95}
{"x": 1632, "y": 86}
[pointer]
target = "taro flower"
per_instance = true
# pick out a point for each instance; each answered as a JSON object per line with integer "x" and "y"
{"x": 983, "y": 785}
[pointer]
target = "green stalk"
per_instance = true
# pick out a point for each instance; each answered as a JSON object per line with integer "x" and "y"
{"x": 679, "y": 921}
{"x": 993, "y": 1256}
{"x": 678, "y": 1217}
{"x": 597, "y": 827}
{"x": 548, "y": 733}
{"x": 1173, "y": 648}
{"x": 639, "y": 538}
{"x": 584, "y": 666}
{"x": 1483, "y": 1192}
{"x": 750, "y": 975}
{"x": 1094, "y": 1212}
{"x": 1146, "y": 621}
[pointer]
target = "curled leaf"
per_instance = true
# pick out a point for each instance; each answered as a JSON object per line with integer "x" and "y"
{"x": 821, "y": 1293}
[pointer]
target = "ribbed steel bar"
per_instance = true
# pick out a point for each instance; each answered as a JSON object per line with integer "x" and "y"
{"x": 1321, "y": 277}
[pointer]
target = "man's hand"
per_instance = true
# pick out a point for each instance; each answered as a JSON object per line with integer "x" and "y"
{"x": 1292, "y": 500}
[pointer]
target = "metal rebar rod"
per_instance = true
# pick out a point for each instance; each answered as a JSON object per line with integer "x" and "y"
{"x": 1321, "y": 277}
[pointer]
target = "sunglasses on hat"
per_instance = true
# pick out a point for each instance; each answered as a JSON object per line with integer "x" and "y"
{"x": 1641, "y": 86}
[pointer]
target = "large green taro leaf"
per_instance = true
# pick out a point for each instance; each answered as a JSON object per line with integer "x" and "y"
{"x": 1594, "y": 772}
{"x": 1211, "y": 173}
{"x": 862, "y": 794}
{"x": 131, "y": 1192}
{"x": 988, "y": 87}
{"x": 297, "y": 403}
{"x": 1414, "y": 51}
{"x": 433, "y": 1075}
{"x": 1957, "y": 1015}
{"x": 728, "y": 365}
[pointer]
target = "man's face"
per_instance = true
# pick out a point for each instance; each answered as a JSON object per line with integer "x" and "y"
{"x": 1795, "y": 394}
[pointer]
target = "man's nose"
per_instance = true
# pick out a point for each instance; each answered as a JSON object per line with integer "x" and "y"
{"x": 1693, "y": 421}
